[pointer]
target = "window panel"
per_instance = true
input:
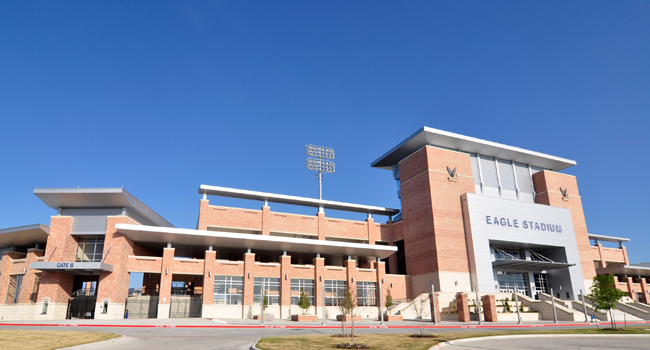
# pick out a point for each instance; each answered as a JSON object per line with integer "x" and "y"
{"x": 489, "y": 171}
{"x": 506, "y": 175}
{"x": 334, "y": 292}
{"x": 523, "y": 178}
{"x": 366, "y": 293}
{"x": 475, "y": 171}
{"x": 272, "y": 288}
{"x": 297, "y": 286}
{"x": 228, "y": 290}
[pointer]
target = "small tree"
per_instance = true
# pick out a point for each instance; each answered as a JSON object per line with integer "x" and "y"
{"x": 265, "y": 302}
{"x": 304, "y": 303}
{"x": 604, "y": 294}
{"x": 419, "y": 306}
{"x": 507, "y": 305}
{"x": 389, "y": 300}
{"x": 349, "y": 305}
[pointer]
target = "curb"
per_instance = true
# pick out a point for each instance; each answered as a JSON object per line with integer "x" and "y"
{"x": 467, "y": 340}
{"x": 254, "y": 346}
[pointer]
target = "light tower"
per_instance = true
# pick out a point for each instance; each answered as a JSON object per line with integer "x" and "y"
{"x": 319, "y": 163}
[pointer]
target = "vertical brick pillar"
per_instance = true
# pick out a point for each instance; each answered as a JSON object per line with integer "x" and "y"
{"x": 463, "y": 307}
{"x": 166, "y": 283}
{"x": 351, "y": 271}
{"x": 627, "y": 261}
{"x": 204, "y": 208}
{"x": 208, "y": 281}
{"x": 644, "y": 290}
{"x": 437, "y": 306}
{"x": 630, "y": 289}
{"x": 370, "y": 225}
{"x": 285, "y": 286}
{"x": 28, "y": 280}
{"x": 380, "y": 266}
{"x": 319, "y": 279}
{"x": 320, "y": 218}
{"x": 489, "y": 308}
{"x": 7, "y": 263}
{"x": 249, "y": 286}
{"x": 266, "y": 220}
{"x": 603, "y": 264}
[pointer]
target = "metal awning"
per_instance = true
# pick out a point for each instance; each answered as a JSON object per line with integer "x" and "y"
{"x": 529, "y": 265}
{"x": 630, "y": 270}
{"x": 608, "y": 238}
{"x": 450, "y": 140}
{"x": 294, "y": 200}
{"x": 25, "y": 236}
{"x": 188, "y": 237}
{"x": 74, "y": 268}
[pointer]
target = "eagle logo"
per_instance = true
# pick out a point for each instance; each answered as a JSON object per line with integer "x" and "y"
{"x": 452, "y": 174}
{"x": 565, "y": 193}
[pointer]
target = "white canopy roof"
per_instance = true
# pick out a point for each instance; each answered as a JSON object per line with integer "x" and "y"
{"x": 24, "y": 235}
{"x": 450, "y": 140}
{"x": 185, "y": 237}
{"x": 303, "y": 201}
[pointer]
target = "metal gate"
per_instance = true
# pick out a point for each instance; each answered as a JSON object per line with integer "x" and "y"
{"x": 82, "y": 306}
{"x": 182, "y": 307}
{"x": 141, "y": 307}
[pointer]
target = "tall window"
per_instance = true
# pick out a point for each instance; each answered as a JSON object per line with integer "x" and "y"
{"x": 272, "y": 288}
{"x": 334, "y": 291}
{"x": 37, "y": 283}
{"x": 13, "y": 291}
{"x": 89, "y": 249}
{"x": 179, "y": 288}
{"x": 366, "y": 293}
{"x": 228, "y": 290}
{"x": 297, "y": 286}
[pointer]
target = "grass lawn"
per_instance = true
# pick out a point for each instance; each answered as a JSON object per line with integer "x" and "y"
{"x": 22, "y": 339}
{"x": 403, "y": 341}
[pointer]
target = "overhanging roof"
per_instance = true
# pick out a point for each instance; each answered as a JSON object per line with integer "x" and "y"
{"x": 528, "y": 265}
{"x": 76, "y": 268}
{"x": 150, "y": 234}
{"x": 23, "y": 235}
{"x": 608, "y": 238}
{"x": 57, "y": 198}
{"x": 630, "y": 270}
{"x": 450, "y": 140}
{"x": 302, "y": 201}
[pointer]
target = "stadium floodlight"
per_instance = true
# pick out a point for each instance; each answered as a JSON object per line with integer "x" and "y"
{"x": 319, "y": 163}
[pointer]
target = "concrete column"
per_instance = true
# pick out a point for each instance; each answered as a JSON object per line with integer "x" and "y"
{"x": 463, "y": 308}
{"x": 285, "y": 286}
{"x": 208, "y": 276}
{"x": 166, "y": 276}
{"x": 249, "y": 278}
{"x": 319, "y": 279}
{"x": 28, "y": 280}
{"x": 266, "y": 220}
{"x": 489, "y": 308}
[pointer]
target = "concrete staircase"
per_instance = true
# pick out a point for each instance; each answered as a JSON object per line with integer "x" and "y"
{"x": 544, "y": 307}
{"x": 406, "y": 308}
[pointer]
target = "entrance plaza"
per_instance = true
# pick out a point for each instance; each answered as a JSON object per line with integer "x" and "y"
{"x": 477, "y": 218}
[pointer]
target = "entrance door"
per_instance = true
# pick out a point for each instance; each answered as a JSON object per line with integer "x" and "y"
{"x": 183, "y": 307}
{"x": 141, "y": 307}
{"x": 508, "y": 281}
{"x": 541, "y": 283}
{"x": 82, "y": 306}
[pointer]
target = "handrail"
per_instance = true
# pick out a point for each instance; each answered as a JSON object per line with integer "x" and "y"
{"x": 105, "y": 255}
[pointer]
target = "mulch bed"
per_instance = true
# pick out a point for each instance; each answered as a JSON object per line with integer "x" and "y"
{"x": 353, "y": 346}
{"x": 422, "y": 336}
{"x": 340, "y": 336}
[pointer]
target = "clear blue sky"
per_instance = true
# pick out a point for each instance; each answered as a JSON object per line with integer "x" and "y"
{"x": 160, "y": 97}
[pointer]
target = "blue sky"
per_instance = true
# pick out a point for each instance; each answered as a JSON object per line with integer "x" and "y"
{"x": 160, "y": 97}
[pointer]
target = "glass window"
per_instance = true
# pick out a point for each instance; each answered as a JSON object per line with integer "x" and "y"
{"x": 228, "y": 290}
{"x": 506, "y": 175}
{"x": 523, "y": 178}
{"x": 271, "y": 287}
{"x": 475, "y": 172}
{"x": 489, "y": 171}
{"x": 13, "y": 292}
{"x": 179, "y": 288}
{"x": 366, "y": 293}
{"x": 89, "y": 249}
{"x": 334, "y": 291}
{"x": 297, "y": 286}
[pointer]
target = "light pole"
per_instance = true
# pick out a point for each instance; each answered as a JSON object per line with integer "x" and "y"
{"x": 319, "y": 163}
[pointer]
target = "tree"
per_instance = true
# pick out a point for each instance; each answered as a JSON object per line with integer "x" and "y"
{"x": 604, "y": 294}
{"x": 507, "y": 305}
{"x": 304, "y": 303}
{"x": 389, "y": 300}
{"x": 421, "y": 309}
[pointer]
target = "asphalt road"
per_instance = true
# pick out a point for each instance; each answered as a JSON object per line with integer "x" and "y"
{"x": 241, "y": 338}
